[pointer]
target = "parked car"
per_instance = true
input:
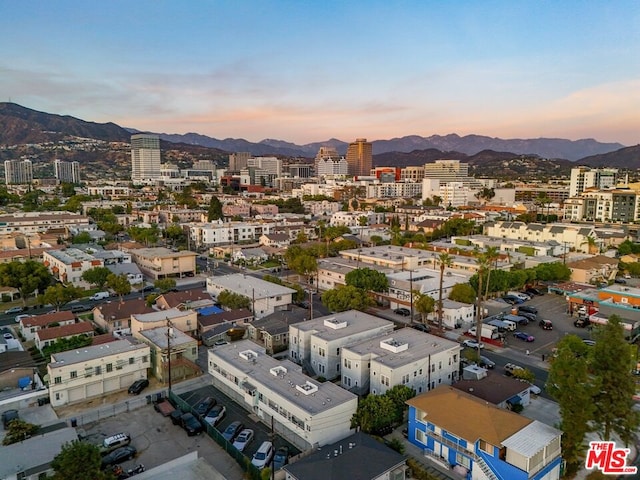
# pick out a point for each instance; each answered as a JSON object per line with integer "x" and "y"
{"x": 175, "y": 416}
{"x": 590, "y": 343}
{"x": 9, "y": 416}
{"x": 527, "y": 309}
{"x": 536, "y": 390}
{"x": 546, "y": 324}
{"x": 243, "y": 439}
{"x": 405, "y": 312}
{"x": 203, "y": 406}
{"x": 13, "y": 310}
{"x": 113, "y": 442}
{"x": 118, "y": 456}
{"x": 8, "y": 336}
{"x": 486, "y": 362}
{"x": 263, "y": 455}
{"x": 281, "y": 457}
{"x": 148, "y": 289}
{"x": 620, "y": 280}
{"x": 138, "y": 386}
{"x": 513, "y": 300}
{"x": 472, "y": 344}
{"x": 525, "y": 337}
{"x": 627, "y": 276}
{"x": 232, "y": 430}
{"x": 510, "y": 368}
{"x": 216, "y": 414}
{"x": 534, "y": 291}
{"x": 421, "y": 327}
{"x": 531, "y": 317}
{"x": 22, "y": 317}
{"x": 191, "y": 424}
{"x": 581, "y": 322}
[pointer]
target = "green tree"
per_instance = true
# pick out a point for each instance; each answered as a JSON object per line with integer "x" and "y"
{"x": 373, "y": 413}
{"x": 483, "y": 266}
{"x": 96, "y": 276}
{"x": 234, "y": 300}
{"x": 303, "y": 264}
{"x": 491, "y": 254}
{"x": 165, "y": 284}
{"x": 399, "y": 394}
{"x": 423, "y": 304}
{"x": 463, "y": 292}
{"x": 569, "y": 383}
{"x": 82, "y": 237}
{"x": 119, "y": 284}
{"x": 445, "y": 260}
{"x": 59, "y": 294}
{"x": 614, "y": 386}
{"x": 346, "y": 297}
{"x": 367, "y": 279}
{"x": 19, "y": 430}
{"x": 215, "y": 209}
{"x": 79, "y": 460}
{"x": 67, "y": 189}
{"x": 375, "y": 240}
{"x": 26, "y": 277}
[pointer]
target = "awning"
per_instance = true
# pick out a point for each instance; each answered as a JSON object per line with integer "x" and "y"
{"x": 515, "y": 399}
{"x": 248, "y": 387}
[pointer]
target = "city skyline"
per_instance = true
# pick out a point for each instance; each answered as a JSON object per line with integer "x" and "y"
{"x": 306, "y": 72}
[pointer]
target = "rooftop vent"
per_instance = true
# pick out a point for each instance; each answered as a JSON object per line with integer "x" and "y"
{"x": 307, "y": 388}
{"x": 248, "y": 355}
{"x": 393, "y": 345}
{"x": 278, "y": 371}
{"x": 335, "y": 324}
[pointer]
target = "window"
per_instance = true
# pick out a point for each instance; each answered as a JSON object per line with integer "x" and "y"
{"x": 337, "y": 351}
{"x": 194, "y": 351}
{"x": 420, "y": 437}
{"x": 347, "y": 363}
{"x": 98, "y": 370}
{"x": 131, "y": 360}
{"x": 321, "y": 352}
{"x": 346, "y": 381}
{"x": 57, "y": 380}
{"x": 74, "y": 374}
{"x": 109, "y": 367}
{"x": 433, "y": 367}
{"x": 420, "y": 371}
{"x": 88, "y": 372}
{"x": 384, "y": 380}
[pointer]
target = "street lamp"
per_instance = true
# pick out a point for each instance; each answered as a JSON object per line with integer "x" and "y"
{"x": 169, "y": 335}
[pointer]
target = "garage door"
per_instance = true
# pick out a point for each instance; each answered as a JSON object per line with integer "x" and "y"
{"x": 76, "y": 394}
{"x": 126, "y": 380}
{"x": 112, "y": 385}
{"x": 94, "y": 389}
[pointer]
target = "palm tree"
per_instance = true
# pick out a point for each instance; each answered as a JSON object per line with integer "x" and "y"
{"x": 592, "y": 244}
{"x": 445, "y": 261}
{"x": 483, "y": 266}
{"x": 492, "y": 254}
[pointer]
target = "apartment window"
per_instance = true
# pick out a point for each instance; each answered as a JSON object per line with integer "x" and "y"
{"x": 98, "y": 370}
{"x": 109, "y": 367}
{"x": 131, "y": 360}
{"x": 347, "y": 363}
{"x": 57, "y": 380}
{"x": 88, "y": 372}
{"x": 440, "y": 365}
{"x": 73, "y": 374}
{"x": 321, "y": 352}
{"x": 346, "y": 381}
{"x": 337, "y": 351}
{"x": 384, "y": 380}
{"x": 420, "y": 372}
{"x": 433, "y": 367}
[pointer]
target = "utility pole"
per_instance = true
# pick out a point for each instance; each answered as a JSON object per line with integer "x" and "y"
{"x": 169, "y": 335}
{"x": 272, "y": 437}
{"x": 411, "y": 294}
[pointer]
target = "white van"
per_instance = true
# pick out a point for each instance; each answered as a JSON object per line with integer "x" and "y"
{"x": 263, "y": 455}
{"x": 99, "y": 296}
{"x": 113, "y": 442}
{"x": 511, "y": 326}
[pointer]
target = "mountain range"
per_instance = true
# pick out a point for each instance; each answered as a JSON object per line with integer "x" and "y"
{"x": 21, "y": 125}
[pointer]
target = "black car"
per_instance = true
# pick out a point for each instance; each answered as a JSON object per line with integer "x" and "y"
{"x": 175, "y": 416}
{"x": 9, "y": 416}
{"x": 534, "y": 291}
{"x": 486, "y": 362}
{"x": 148, "y": 289}
{"x": 203, "y": 406}
{"x": 422, "y": 327}
{"x": 620, "y": 280}
{"x": 191, "y": 424}
{"x": 138, "y": 386}
{"x": 118, "y": 456}
{"x": 232, "y": 431}
{"x": 405, "y": 312}
{"x": 527, "y": 309}
{"x": 546, "y": 324}
{"x": 281, "y": 457}
{"x": 531, "y": 317}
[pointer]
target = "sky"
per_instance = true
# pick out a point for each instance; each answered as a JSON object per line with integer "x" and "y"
{"x": 306, "y": 71}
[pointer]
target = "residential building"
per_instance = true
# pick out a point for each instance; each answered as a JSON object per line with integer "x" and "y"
{"x": 325, "y": 154}
{"x": 115, "y": 317}
{"x": 495, "y": 388}
{"x": 480, "y": 440}
{"x": 583, "y": 178}
{"x": 205, "y": 235}
{"x": 182, "y": 348}
{"x": 452, "y": 194}
{"x": 353, "y": 219}
{"x": 109, "y": 192}
{"x": 360, "y": 157}
{"x": 276, "y": 240}
{"x": 214, "y": 322}
{"x": 395, "y": 190}
{"x": 300, "y": 170}
{"x": 145, "y": 159}
{"x": 31, "y": 458}
{"x": 331, "y": 271}
{"x": 184, "y": 320}
{"x": 17, "y": 172}
{"x": 250, "y": 256}
{"x": 238, "y": 161}
{"x": 160, "y": 262}
{"x": 447, "y": 170}
{"x": 68, "y": 265}
{"x": 68, "y": 172}
{"x": 316, "y": 344}
{"x": 184, "y": 300}
{"x": 48, "y": 336}
{"x": 412, "y": 173}
{"x": 29, "y": 326}
{"x": 456, "y": 314}
{"x": 332, "y": 167}
{"x": 94, "y": 371}
{"x": 598, "y": 268}
{"x": 309, "y": 413}
{"x": 418, "y": 360}
{"x": 272, "y": 331}
{"x": 266, "y": 297}
{"x": 40, "y": 222}
{"x": 359, "y": 456}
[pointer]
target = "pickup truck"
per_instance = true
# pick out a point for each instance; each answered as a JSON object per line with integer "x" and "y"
{"x": 164, "y": 407}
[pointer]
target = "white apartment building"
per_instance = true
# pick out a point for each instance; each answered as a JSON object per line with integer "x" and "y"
{"x": 110, "y": 192}
{"x": 418, "y": 360}
{"x": 204, "y": 235}
{"x": 68, "y": 265}
{"x": 394, "y": 190}
{"x": 613, "y": 205}
{"x": 456, "y": 314}
{"x": 308, "y": 413}
{"x": 331, "y": 167}
{"x": 453, "y": 194}
{"x": 583, "y": 178}
{"x": 332, "y": 271}
{"x": 183, "y": 320}
{"x": 569, "y": 235}
{"x": 266, "y": 297}
{"x": 40, "y": 222}
{"x": 412, "y": 173}
{"x": 352, "y": 219}
{"x": 66, "y": 171}
{"x": 447, "y": 170}
{"x": 18, "y": 172}
{"x": 93, "y": 371}
{"x": 323, "y": 207}
{"x": 145, "y": 159}
{"x": 317, "y": 343}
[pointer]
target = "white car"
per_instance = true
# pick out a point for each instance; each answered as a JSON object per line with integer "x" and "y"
{"x": 473, "y": 344}
{"x": 534, "y": 389}
{"x": 20, "y": 317}
{"x": 243, "y": 439}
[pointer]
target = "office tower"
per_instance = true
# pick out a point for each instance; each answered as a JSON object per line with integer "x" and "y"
{"x": 67, "y": 172}
{"x": 585, "y": 177}
{"x": 145, "y": 158}
{"x": 238, "y": 161}
{"x": 447, "y": 170}
{"x": 300, "y": 170}
{"x": 271, "y": 165}
{"x": 18, "y": 172}
{"x": 360, "y": 157}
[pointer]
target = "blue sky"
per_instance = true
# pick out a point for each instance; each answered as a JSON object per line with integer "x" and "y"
{"x": 306, "y": 71}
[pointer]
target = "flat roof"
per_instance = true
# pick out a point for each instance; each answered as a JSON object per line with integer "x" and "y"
{"x": 356, "y": 322}
{"x": 259, "y": 372}
{"x": 160, "y": 315}
{"x": 532, "y": 439}
{"x": 161, "y": 252}
{"x": 95, "y": 351}
{"x": 158, "y": 336}
{"x": 249, "y": 286}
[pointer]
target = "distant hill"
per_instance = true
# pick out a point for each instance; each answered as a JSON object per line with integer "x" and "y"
{"x": 628, "y": 157}
{"x": 20, "y": 125}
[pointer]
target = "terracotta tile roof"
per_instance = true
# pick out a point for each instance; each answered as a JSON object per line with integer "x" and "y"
{"x": 120, "y": 310}
{"x": 48, "y": 318}
{"x": 174, "y": 299}
{"x": 65, "y": 331}
{"x": 104, "y": 338}
{"x": 466, "y": 416}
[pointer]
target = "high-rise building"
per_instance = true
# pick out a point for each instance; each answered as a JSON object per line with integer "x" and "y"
{"x": 447, "y": 170}
{"x": 238, "y": 161}
{"x": 360, "y": 157}
{"x": 145, "y": 158}
{"x": 585, "y": 177}
{"x": 332, "y": 167}
{"x": 18, "y": 172}
{"x": 67, "y": 172}
{"x": 325, "y": 153}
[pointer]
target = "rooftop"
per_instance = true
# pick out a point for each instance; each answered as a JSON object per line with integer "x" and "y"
{"x": 72, "y": 329}
{"x": 161, "y": 315}
{"x": 161, "y": 252}
{"x": 249, "y": 286}
{"x": 47, "y": 318}
{"x": 158, "y": 336}
{"x": 95, "y": 351}
{"x": 347, "y": 323}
